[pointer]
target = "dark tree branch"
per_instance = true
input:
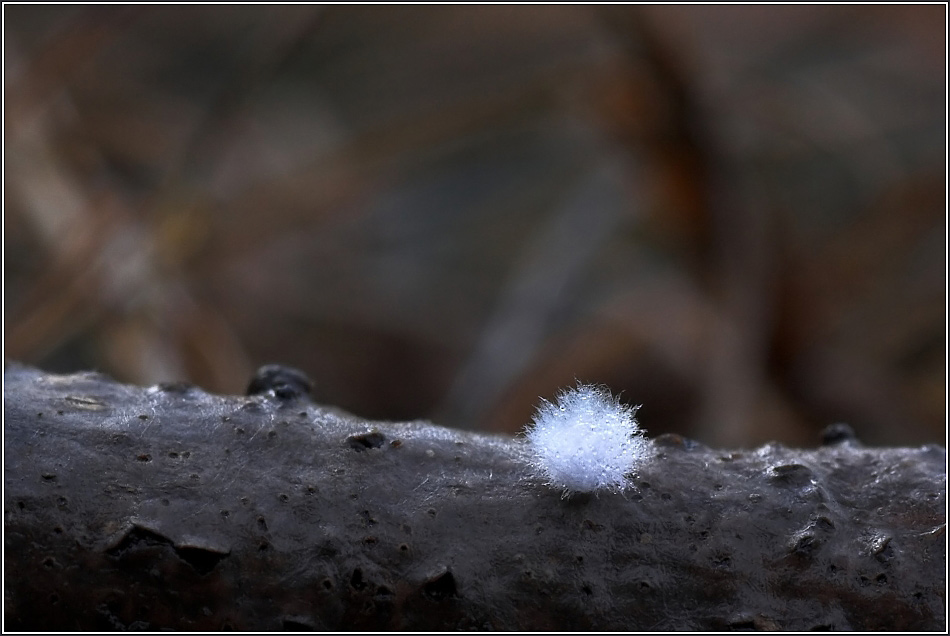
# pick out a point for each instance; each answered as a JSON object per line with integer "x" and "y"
{"x": 172, "y": 508}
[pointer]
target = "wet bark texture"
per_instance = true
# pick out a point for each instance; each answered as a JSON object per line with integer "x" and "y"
{"x": 168, "y": 507}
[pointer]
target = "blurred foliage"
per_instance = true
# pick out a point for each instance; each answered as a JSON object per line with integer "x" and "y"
{"x": 735, "y": 215}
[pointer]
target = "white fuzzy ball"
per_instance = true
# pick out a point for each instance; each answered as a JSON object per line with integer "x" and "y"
{"x": 587, "y": 441}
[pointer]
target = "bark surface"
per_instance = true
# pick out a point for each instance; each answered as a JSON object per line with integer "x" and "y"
{"x": 167, "y": 507}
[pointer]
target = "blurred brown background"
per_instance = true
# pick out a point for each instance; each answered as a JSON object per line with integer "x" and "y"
{"x": 734, "y": 215}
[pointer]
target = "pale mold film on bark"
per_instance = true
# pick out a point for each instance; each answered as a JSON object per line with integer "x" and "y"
{"x": 587, "y": 441}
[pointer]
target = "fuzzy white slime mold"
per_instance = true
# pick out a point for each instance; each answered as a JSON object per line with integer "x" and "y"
{"x": 587, "y": 441}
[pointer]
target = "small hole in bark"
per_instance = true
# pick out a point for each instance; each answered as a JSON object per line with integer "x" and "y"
{"x": 143, "y": 417}
{"x": 722, "y": 560}
{"x": 263, "y": 546}
{"x": 262, "y": 523}
{"x": 283, "y": 497}
{"x": 271, "y": 434}
{"x": 367, "y": 518}
{"x": 48, "y": 477}
{"x": 365, "y": 441}
{"x": 441, "y": 587}
{"x": 201, "y": 559}
{"x": 225, "y": 514}
{"x": 20, "y": 505}
{"x": 54, "y": 598}
{"x": 356, "y": 580}
{"x": 173, "y": 455}
{"x": 144, "y": 457}
{"x": 49, "y": 562}
{"x": 61, "y": 501}
{"x": 370, "y": 540}
{"x": 790, "y": 475}
{"x": 586, "y": 590}
{"x": 404, "y": 547}
{"x": 58, "y": 530}
{"x": 327, "y": 584}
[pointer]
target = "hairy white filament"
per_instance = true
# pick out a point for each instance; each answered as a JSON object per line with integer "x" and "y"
{"x": 587, "y": 441}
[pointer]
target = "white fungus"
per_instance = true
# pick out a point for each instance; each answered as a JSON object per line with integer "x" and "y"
{"x": 587, "y": 441}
